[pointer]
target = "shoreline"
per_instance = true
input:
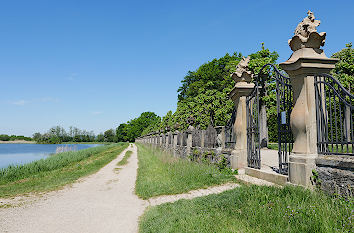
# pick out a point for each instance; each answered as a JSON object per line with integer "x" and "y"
{"x": 17, "y": 142}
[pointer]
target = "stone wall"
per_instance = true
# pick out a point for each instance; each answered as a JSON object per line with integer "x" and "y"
{"x": 335, "y": 175}
{"x": 193, "y": 144}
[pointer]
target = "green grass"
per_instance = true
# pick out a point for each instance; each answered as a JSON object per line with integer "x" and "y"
{"x": 56, "y": 171}
{"x": 160, "y": 173}
{"x": 253, "y": 209}
{"x": 124, "y": 161}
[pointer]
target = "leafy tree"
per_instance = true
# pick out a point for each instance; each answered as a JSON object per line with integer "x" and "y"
{"x": 100, "y": 138}
{"x": 204, "y": 93}
{"x": 344, "y": 69}
{"x": 109, "y": 135}
{"x": 134, "y": 128}
{"x": 4, "y": 137}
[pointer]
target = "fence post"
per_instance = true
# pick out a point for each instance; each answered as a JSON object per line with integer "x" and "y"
{"x": 306, "y": 61}
{"x": 189, "y": 139}
{"x": 242, "y": 89}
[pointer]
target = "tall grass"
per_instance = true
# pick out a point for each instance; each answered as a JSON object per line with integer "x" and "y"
{"x": 160, "y": 173}
{"x": 57, "y": 170}
{"x": 253, "y": 209}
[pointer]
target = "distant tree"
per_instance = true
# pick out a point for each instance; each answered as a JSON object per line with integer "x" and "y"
{"x": 37, "y": 136}
{"x": 109, "y": 135}
{"x": 100, "y": 138}
{"x": 4, "y": 137}
{"x": 134, "y": 128}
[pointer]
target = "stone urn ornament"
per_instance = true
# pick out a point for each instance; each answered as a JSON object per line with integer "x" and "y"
{"x": 242, "y": 73}
{"x": 306, "y": 35}
{"x": 306, "y": 42}
{"x": 243, "y": 79}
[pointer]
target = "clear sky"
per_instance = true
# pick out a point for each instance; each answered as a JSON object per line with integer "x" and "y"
{"x": 96, "y": 64}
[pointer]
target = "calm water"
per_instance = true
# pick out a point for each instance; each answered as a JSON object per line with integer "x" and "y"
{"x": 15, "y": 154}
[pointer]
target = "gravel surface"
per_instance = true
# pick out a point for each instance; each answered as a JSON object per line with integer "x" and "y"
{"x": 191, "y": 194}
{"x": 102, "y": 202}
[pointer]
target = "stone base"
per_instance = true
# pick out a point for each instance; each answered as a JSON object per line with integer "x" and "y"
{"x": 266, "y": 175}
{"x": 238, "y": 159}
{"x": 336, "y": 174}
{"x": 300, "y": 168}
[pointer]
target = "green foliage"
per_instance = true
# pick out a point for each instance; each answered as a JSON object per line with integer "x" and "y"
{"x": 132, "y": 129}
{"x": 5, "y": 137}
{"x": 344, "y": 69}
{"x": 160, "y": 173}
{"x": 109, "y": 135}
{"x": 253, "y": 209}
{"x": 58, "y": 134}
{"x": 316, "y": 179}
{"x": 204, "y": 93}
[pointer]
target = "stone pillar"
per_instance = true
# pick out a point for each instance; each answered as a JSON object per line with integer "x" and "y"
{"x": 202, "y": 139}
{"x": 175, "y": 137}
{"x": 166, "y": 140}
{"x": 242, "y": 89}
{"x": 306, "y": 61}
{"x": 189, "y": 139}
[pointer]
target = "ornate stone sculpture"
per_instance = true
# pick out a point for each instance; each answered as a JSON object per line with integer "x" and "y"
{"x": 242, "y": 73}
{"x": 306, "y": 35}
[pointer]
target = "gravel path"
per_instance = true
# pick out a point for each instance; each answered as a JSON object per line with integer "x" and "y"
{"x": 102, "y": 202}
{"x": 191, "y": 194}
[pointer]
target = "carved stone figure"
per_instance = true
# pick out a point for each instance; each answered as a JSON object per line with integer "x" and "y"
{"x": 306, "y": 35}
{"x": 242, "y": 73}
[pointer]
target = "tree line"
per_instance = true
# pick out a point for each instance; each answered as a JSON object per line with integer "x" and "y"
{"x": 203, "y": 95}
{"x": 5, "y": 137}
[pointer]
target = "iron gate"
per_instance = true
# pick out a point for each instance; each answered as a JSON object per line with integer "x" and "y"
{"x": 253, "y": 139}
{"x": 270, "y": 75}
{"x": 334, "y": 113}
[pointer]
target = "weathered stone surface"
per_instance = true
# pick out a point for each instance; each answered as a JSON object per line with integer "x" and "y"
{"x": 336, "y": 175}
{"x": 242, "y": 73}
{"x": 306, "y": 35}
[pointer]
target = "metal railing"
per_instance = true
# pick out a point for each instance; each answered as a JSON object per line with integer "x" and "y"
{"x": 334, "y": 116}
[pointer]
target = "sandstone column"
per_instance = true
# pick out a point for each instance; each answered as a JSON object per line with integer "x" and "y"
{"x": 242, "y": 89}
{"x": 306, "y": 61}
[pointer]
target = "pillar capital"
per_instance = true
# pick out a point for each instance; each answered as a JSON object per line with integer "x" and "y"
{"x": 306, "y": 61}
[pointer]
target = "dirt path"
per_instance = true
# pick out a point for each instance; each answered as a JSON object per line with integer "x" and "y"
{"x": 102, "y": 202}
{"x": 191, "y": 194}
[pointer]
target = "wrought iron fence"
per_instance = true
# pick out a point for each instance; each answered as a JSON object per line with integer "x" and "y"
{"x": 253, "y": 139}
{"x": 334, "y": 116}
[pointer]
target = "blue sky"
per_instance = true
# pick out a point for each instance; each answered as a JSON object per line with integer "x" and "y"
{"x": 96, "y": 64}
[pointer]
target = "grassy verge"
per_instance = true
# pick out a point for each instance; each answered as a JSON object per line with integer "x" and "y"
{"x": 124, "y": 161}
{"x": 253, "y": 209}
{"x": 56, "y": 171}
{"x": 159, "y": 173}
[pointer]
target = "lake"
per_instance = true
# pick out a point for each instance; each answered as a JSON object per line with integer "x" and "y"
{"x": 16, "y": 154}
